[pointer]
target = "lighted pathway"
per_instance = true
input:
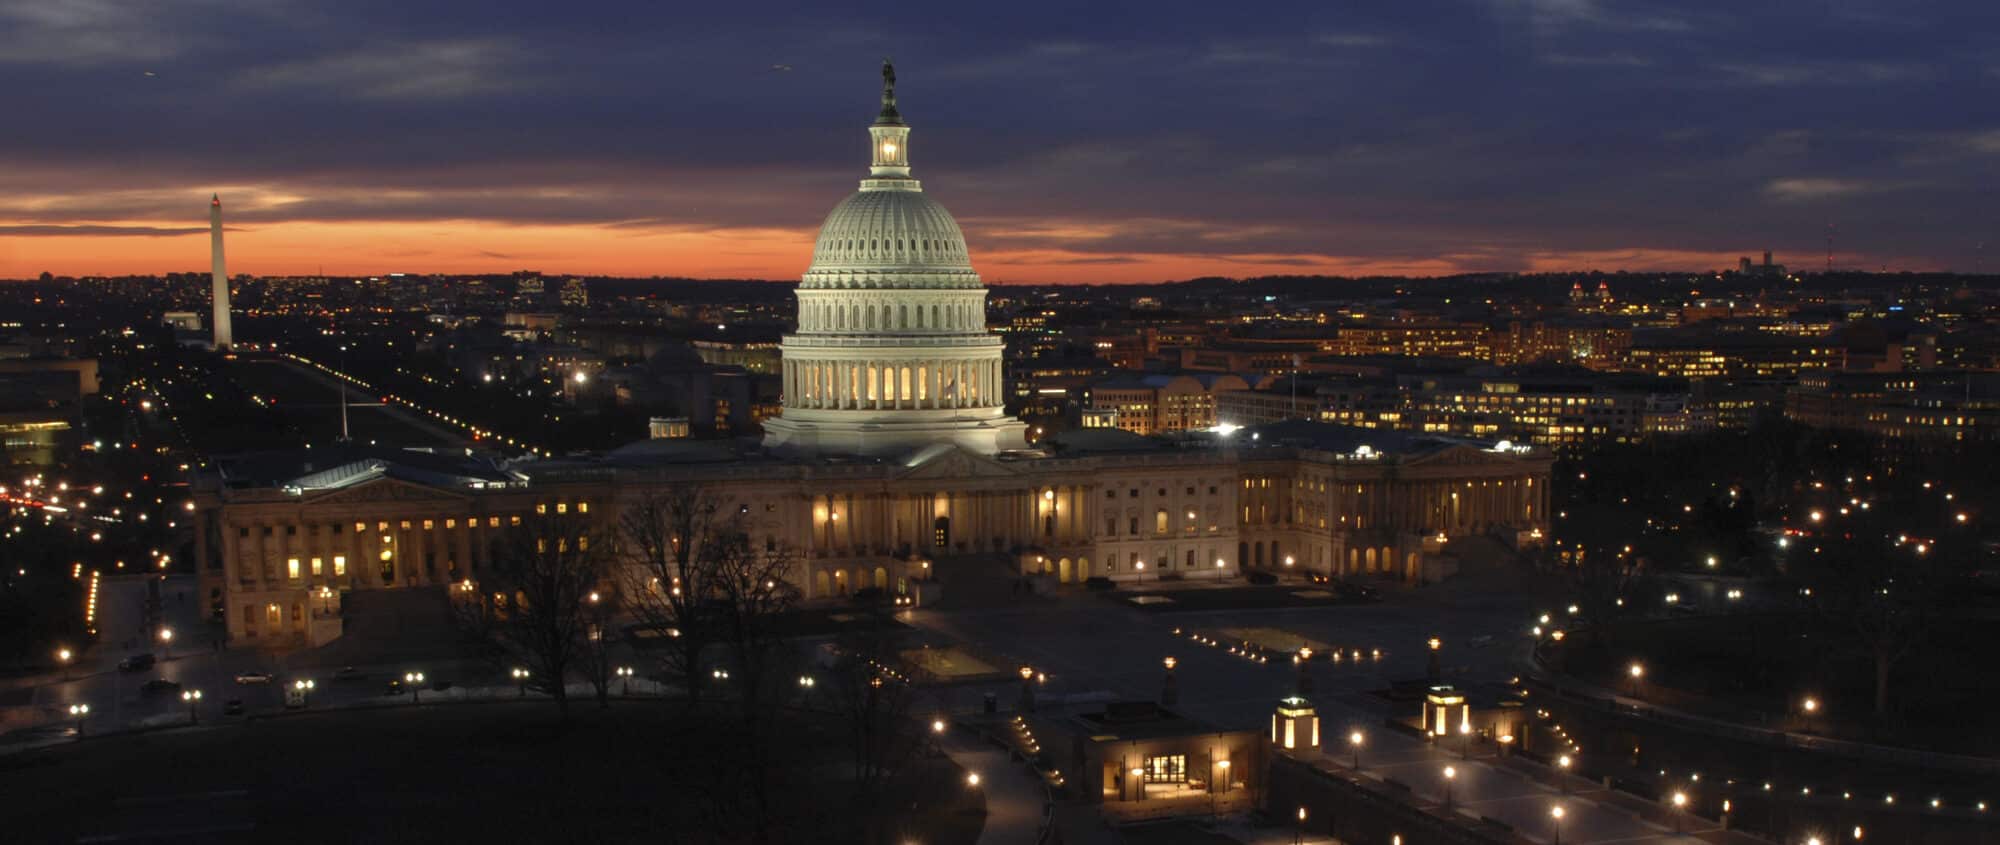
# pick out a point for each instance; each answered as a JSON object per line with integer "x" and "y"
{"x": 1013, "y": 793}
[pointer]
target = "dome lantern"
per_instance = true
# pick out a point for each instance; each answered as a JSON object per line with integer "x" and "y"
{"x": 889, "y": 165}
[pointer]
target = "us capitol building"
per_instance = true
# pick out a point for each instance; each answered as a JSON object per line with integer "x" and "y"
{"x": 893, "y": 465}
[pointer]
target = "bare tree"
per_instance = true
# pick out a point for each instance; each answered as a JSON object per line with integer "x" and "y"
{"x": 1887, "y": 593}
{"x": 599, "y": 607}
{"x": 543, "y": 574}
{"x": 876, "y": 707}
{"x": 673, "y": 540}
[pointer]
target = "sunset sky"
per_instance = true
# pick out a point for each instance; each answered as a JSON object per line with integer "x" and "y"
{"x": 1085, "y": 142}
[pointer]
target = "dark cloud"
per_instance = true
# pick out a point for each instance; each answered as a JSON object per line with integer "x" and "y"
{"x": 1492, "y": 130}
{"x": 31, "y": 231}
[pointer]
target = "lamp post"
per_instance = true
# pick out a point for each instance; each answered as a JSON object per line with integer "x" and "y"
{"x": 304, "y": 687}
{"x": 63, "y": 657}
{"x": 79, "y": 712}
{"x": 1305, "y": 681}
{"x": 1556, "y": 824}
{"x": 1562, "y": 773}
{"x": 1811, "y": 708}
{"x": 520, "y": 681}
{"x": 1219, "y": 565}
{"x": 1301, "y": 836}
{"x": 1027, "y": 689}
{"x": 1680, "y": 810}
{"x": 1450, "y": 774}
{"x": 1434, "y": 671}
{"x": 1464, "y": 740}
{"x": 1170, "y": 690}
{"x": 625, "y": 681}
{"x": 1354, "y": 743}
{"x": 1636, "y": 671}
{"x": 415, "y": 681}
{"x": 167, "y": 643}
{"x": 192, "y": 697}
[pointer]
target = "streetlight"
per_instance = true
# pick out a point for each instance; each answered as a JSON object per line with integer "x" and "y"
{"x": 64, "y": 656}
{"x": 1354, "y": 743}
{"x": 1449, "y": 775}
{"x": 304, "y": 688}
{"x": 1680, "y": 810}
{"x": 937, "y": 726}
{"x": 192, "y": 697}
{"x": 1636, "y": 671}
{"x": 1218, "y": 568}
{"x": 167, "y": 642}
{"x": 625, "y": 675}
{"x": 1302, "y": 827}
{"x": 972, "y": 779}
{"x": 415, "y": 681}
{"x": 1556, "y": 814}
{"x": 78, "y": 712}
{"x": 1465, "y": 740}
{"x": 1170, "y": 689}
{"x": 1433, "y": 671}
{"x": 1811, "y": 707}
{"x": 1562, "y": 773}
{"x": 520, "y": 681}
{"x": 1028, "y": 688}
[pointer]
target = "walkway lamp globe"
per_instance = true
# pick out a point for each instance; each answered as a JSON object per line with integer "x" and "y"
{"x": 1562, "y": 772}
{"x": 972, "y": 779}
{"x": 1354, "y": 742}
{"x": 937, "y": 726}
{"x": 63, "y": 655}
{"x": 1450, "y": 774}
{"x": 1680, "y": 809}
{"x": 1171, "y": 662}
{"x": 1027, "y": 672}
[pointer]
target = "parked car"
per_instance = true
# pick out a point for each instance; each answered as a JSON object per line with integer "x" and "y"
{"x": 234, "y": 707}
{"x": 136, "y": 663}
{"x": 253, "y": 677}
{"x": 1360, "y": 592}
{"x": 157, "y": 686}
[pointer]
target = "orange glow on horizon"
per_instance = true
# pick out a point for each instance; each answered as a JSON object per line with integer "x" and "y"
{"x": 455, "y": 246}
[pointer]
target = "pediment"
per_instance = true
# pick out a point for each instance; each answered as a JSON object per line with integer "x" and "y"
{"x": 957, "y": 464}
{"x": 384, "y": 490}
{"x": 1457, "y": 456}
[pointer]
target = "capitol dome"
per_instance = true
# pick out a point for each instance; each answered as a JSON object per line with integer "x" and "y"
{"x": 891, "y": 356}
{"x": 890, "y": 237}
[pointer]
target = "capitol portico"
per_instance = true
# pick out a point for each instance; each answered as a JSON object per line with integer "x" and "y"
{"x": 894, "y": 463}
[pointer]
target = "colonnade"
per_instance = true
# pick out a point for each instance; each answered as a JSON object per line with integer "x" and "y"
{"x": 887, "y": 385}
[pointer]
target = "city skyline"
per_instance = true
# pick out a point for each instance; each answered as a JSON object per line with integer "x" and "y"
{"x": 1552, "y": 136}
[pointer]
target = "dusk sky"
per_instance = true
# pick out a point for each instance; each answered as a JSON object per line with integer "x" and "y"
{"x": 1087, "y": 142}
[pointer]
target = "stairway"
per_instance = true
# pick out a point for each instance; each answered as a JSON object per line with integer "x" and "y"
{"x": 988, "y": 579}
{"x": 386, "y": 626}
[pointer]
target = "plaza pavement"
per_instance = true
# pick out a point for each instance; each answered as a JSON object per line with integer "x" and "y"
{"x": 1094, "y": 649}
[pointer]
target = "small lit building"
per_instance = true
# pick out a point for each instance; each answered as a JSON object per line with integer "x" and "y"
{"x": 1140, "y": 751}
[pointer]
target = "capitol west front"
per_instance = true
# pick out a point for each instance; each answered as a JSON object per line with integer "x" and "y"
{"x": 893, "y": 463}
